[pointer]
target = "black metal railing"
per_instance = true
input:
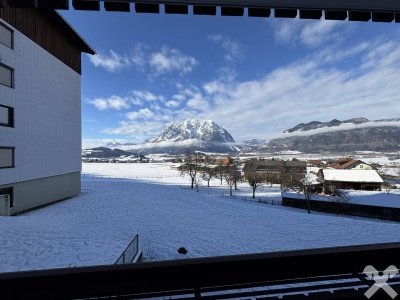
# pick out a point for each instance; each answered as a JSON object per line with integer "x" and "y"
{"x": 130, "y": 252}
{"x": 327, "y": 273}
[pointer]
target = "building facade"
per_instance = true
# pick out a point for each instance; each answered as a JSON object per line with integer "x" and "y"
{"x": 40, "y": 107}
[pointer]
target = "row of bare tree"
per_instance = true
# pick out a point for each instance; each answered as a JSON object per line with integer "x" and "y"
{"x": 197, "y": 170}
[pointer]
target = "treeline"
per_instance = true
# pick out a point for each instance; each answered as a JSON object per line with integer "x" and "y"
{"x": 256, "y": 173}
{"x": 197, "y": 170}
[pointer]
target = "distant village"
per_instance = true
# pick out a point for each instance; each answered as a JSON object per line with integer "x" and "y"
{"x": 320, "y": 176}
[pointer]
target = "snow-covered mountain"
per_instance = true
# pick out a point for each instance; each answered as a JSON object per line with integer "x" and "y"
{"x": 188, "y": 136}
{"x": 204, "y": 130}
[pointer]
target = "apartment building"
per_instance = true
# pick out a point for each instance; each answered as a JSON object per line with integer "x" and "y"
{"x": 40, "y": 108}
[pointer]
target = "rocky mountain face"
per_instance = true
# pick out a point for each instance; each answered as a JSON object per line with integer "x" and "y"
{"x": 367, "y": 136}
{"x": 204, "y": 130}
{"x": 188, "y": 136}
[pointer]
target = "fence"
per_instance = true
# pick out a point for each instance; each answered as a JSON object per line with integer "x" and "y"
{"x": 91, "y": 176}
{"x": 369, "y": 211}
{"x": 312, "y": 274}
{"x": 226, "y": 194}
{"x": 130, "y": 252}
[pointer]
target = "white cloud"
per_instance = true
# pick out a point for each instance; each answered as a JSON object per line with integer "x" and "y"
{"x": 100, "y": 103}
{"x": 143, "y": 58}
{"x": 111, "y": 61}
{"x": 92, "y": 143}
{"x": 135, "y": 97}
{"x": 172, "y": 103}
{"x": 170, "y": 60}
{"x": 197, "y": 102}
{"x": 118, "y": 103}
{"x": 143, "y": 113}
{"x": 214, "y": 87}
{"x": 233, "y": 50}
{"x": 188, "y": 142}
{"x": 321, "y": 86}
{"x": 137, "y": 132}
{"x": 113, "y": 102}
{"x": 310, "y": 33}
{"x": 143, "y": 96}
{"x": 178, "y": 97}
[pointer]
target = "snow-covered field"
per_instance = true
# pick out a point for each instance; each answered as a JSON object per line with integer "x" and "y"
{"x": 95, "y": 227}
{"x": 167, "y": 174}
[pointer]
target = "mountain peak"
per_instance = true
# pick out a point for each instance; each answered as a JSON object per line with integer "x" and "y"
{"x": 204, "y": 130}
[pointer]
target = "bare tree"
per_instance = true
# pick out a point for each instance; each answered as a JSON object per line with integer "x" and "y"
{"x": 303, "y": 186}
{"x": 232, "y": 175}
{"x": 191, "y": 167}
{"x": 220, "y": 172}
{"x": 230, "y": 181}
{"x": 255, "y": 180}
{"x": 207, "y": 173}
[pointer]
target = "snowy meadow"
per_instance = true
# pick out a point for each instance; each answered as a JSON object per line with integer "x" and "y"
{"x": 153, "y": 200}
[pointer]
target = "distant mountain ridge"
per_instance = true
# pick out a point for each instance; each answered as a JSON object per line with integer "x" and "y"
{"x": 316, "y": 124}
{"x": 358, "y": 134}
{"x": 104, "y": 152}
{"x": 114, "y": 144}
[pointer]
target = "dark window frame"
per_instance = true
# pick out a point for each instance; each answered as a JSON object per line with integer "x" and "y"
{"x": 13, "y": 157}
{"x": 10, "y": 117}
{"x": 12, "y": 35}
{"x": 12, "y": 76}
{"x": 8, "y": 191}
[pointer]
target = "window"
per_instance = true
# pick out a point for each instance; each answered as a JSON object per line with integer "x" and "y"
{"x": 6, "y": 75}
{"x": 8, "y": 191}
{"x": 6, "y": 36}
{"x": 7, "y": 157}
{"x": 6, "y": 116}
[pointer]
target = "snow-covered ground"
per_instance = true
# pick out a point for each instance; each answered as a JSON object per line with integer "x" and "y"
{"x": 167, "y": 173}
{"x": 95, "y": 227}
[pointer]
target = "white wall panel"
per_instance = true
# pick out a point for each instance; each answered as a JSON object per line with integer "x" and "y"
{"x": 47, "y": 113}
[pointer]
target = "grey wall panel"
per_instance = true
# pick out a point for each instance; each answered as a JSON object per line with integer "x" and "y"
{"x": 39, "y": 192}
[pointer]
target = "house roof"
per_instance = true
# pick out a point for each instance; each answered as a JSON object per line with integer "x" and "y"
{"x": 349, "y": 163}
{"x": 313, "y": 170}
{"x": 362, "y": 176}
{"x": 314, "y": 161}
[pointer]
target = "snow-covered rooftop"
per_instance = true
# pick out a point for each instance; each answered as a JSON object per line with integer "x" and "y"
{"x": 352, "y": 175}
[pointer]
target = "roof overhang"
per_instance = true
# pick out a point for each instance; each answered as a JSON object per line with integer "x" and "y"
{"x": 352, "y": 10}
{"x": 59, "y": 20}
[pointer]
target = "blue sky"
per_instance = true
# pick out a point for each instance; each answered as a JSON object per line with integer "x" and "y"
{"x": 254, "y": 76}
